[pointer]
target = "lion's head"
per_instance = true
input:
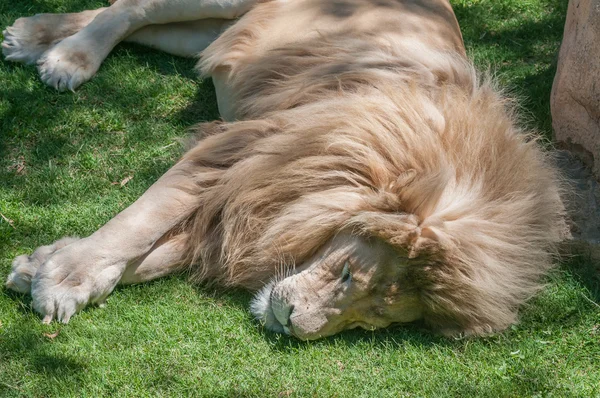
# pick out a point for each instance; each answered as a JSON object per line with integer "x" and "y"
{"x": 353, "y": 281}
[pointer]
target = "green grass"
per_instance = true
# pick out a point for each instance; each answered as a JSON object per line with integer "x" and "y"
{"x": 62, "y": 157}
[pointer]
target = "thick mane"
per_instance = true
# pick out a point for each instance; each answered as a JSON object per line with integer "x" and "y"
{"x": 412, "y": 149}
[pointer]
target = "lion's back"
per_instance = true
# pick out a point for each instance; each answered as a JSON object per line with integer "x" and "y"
{"x": 280, "y": 50}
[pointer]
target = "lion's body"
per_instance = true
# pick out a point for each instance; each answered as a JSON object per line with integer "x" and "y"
{"x": 365, "y": 120}
{"x": 308, "y": 44}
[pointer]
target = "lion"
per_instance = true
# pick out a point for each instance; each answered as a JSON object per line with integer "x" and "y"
{"x": 364, "y": 173}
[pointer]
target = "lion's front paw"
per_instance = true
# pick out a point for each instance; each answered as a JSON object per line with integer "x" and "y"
{"x": 24, "y": 267}
{"x": 68, "y": 64}
{"x": 78, "y": 275}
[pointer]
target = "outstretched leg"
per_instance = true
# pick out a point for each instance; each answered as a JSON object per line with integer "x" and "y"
{"x": 76, "y": 59}
{"x": 134, "y": 246}
{"x": 167, "y": 256}
{"x": 30, "y": 37}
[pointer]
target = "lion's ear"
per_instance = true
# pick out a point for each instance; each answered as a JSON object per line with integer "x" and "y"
{"x": 426, "y": 242}
{"x": 402, "y": 231}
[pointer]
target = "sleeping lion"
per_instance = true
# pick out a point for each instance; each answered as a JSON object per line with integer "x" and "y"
{"x": 364, "y": 174}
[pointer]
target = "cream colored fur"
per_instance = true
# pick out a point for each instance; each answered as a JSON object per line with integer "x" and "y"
{"x": 370, "y": 176}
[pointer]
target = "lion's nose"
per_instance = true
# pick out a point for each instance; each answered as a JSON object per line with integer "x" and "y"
{"x": 282, "y": 311}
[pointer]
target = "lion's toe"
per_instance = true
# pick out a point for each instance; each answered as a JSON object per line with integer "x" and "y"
{"x": 78, "y": 275}
{"x": 25, "y": 267}
{"x": 59, "y": 293}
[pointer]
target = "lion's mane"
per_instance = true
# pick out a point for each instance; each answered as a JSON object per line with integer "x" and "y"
{"x": 331, "y": 141}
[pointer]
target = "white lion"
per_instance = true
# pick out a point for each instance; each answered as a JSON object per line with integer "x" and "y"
{"x": 365, "y": 175}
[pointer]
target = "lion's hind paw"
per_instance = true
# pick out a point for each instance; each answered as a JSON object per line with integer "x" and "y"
{"x": 25, "y": 40}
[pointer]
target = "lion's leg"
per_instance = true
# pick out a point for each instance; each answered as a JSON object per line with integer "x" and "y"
{"x": 87, "y": 270}
{"x": 76, "y": 59}
{"x": 185, "y": 39}
{"x": 30, "y": 37}
{"x": 167, "y": 256}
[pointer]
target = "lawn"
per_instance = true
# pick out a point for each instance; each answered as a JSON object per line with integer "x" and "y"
{"x": 70, "y": 161}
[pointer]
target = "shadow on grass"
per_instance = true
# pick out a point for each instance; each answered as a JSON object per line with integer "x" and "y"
{"x": 395, "y": 336}
{"x": 529, "y": 51}
{"x": 22, "y": 300}
{"x": 32, "y": 110}
{"x": 534, "y": 93}
{"x": 585, "y": 271}
{"x": 48, "y": 366}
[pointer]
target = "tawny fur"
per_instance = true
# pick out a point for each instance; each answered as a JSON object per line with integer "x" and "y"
{"x": 363, "y": 133}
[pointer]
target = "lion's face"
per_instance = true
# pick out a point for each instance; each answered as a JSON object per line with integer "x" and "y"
{"x": 351, "y": 282}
